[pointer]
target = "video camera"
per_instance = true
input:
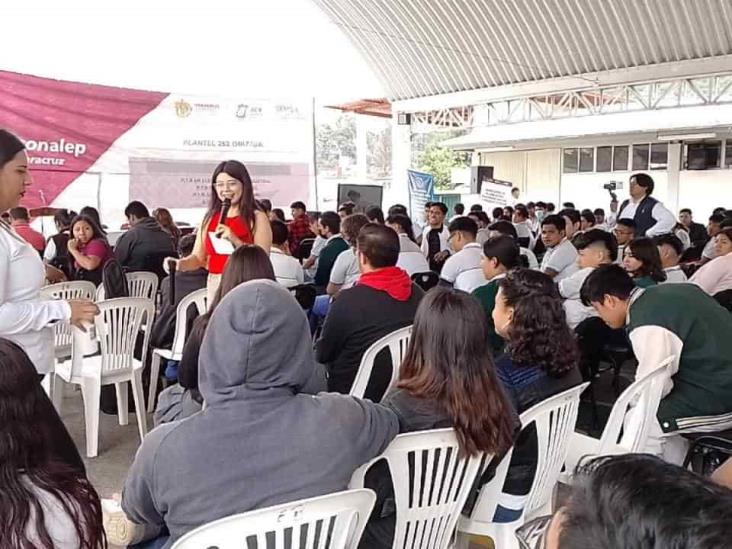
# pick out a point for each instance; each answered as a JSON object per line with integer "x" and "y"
{"x": 611, "y": 187}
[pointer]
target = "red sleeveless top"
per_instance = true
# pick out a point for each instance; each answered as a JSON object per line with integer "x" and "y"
{"x": 217, "y": 262}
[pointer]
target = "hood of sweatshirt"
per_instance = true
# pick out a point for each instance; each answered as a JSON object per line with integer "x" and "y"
{"x": 257, "y": 345}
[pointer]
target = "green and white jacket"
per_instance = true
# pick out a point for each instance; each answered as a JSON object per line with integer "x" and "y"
{"x": 681, "y": 320}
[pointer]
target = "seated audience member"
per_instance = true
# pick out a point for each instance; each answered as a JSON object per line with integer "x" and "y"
{"x": 716, "y": 276}
{"x": 476, "y": 208}
{"x": 550, "y": 208}
{"x": 643, "y": 263}
{"x": 588, "y": 220}
{"x": 397, "y": 209}
{"x": 639, "y": 501}
{"x": 560, "y": 259}
{"x": 697, "y": 231}
{"x": 20, "y": 221}
{"x": 458, "y": 211}
{"x": 345, "y": 270}
{"x": 375, "y": 215}
{"x": 600, "y": 221}
{"x": 410, "y": 255}
{"x": 682, "y": 233}
{"x": 255, "y": 364}
{"x": 329, "y": 226}
{"x": 45, "y": 498}
{"x": 435, "y": 237}
{"x": 508, "y": 212}
{"x": 383, "y": 300}
{"x": 670, "y": 249}
{"x": 310, "y": 265}
{"x": 462, "y": 269}
{"x": 346, "y": 209}
{"x": 56, "y": 253}
{"x": 447, "y": 369}
{"x": 93, "y": 213}
{"x": 676, "y": 320}
{"x": 277, "y": 214}
{"x": 572, "y": 222}
{"x": 166, "y": 222}
{"x": 299, "y": 228}
{"x": 265, "y": 204}
{"x": 179, "y": 401}
{"x": 541, "y": 360}
{"x": 595, "y": 248}
{"x": 287, "y": 269}
{"x": 624, "y": 232}
{"x": 506, "y": 228}
{"x": 713, "y": 229}
{"x": 500, "y": 254}
{"x": 186, "y": 282}
{"x": 523, "y": 226}
{"x": 88, "y": 250}
{"x": 144, "y": 246}
{"x": 533, "y": 221}
{"x": 497, "y": 215}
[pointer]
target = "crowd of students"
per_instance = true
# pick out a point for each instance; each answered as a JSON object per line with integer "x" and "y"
{"x": 501, "y": 332}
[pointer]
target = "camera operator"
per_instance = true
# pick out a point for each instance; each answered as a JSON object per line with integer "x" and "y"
{"x": 651, "y": 217}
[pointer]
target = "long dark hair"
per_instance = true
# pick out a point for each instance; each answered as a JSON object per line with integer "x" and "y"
{"x": 27, "y": 463}
{"x": 646, "y": 252}
{"x": 10, "y": 145}
{"x": 449, "y": 362}
{"x": 247, "y": 205}
{"x": 165, "y": 219}
{"x": 93, "y": 213}
{"x": 538, "y": 335}
{"x": 404, "y": 222}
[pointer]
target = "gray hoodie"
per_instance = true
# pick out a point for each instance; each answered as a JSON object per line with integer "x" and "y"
{"x": 259, "y": 441}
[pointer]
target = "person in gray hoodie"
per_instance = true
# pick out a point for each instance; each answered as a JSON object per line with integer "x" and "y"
{"x": 263, "y": 437}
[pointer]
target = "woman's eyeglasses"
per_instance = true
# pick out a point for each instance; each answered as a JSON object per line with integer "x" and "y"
{"x": 533, "y": 534}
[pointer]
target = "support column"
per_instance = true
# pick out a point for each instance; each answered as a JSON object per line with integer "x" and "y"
{"x": 401, "y": 161}
{"x": 673, "y": 173}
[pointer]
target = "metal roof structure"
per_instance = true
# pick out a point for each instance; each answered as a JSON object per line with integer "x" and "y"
{"x": 421, "y": 48}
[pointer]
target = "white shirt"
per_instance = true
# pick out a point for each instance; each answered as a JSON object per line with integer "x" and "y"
{"x": 410, "y": 257}
{"x": 345, "y": 270}
{"x": 562, "y": 259}
{"x": 50, "y": 252}
{"x": 569, "y": 289}
{"x": 531, "y": 256}
{"x": 444, "y": 235}
{"x": 287, "y": 269}
{"x": 674, "y": 275}
{"x": 708, "y": 251}
{"x": 318, "y": 245}
{"x": 463, "y": 269}
{"x": 715, "y": 276}
{"x": 665, "y": 220}
{"x": 59, "y": 523}
{"x": 24, "y": 318}
{"x": 684, "y": 237}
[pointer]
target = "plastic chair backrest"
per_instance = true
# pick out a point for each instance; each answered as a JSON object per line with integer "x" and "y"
{"x": 555, "y": 420}
{"x": 397, "y": 342}
{"x": 426, "y": 280}
{"x": 199, "y": 298}
{"x": 117, "y": 327}
{"x": 143, "y": 284}
{"x": 469, "y": 280}
{"x": 78, "y": 289}
{"x": 334, "y": 521}
{"x": 643, "y": 395}
{"x": 432, "y": 481}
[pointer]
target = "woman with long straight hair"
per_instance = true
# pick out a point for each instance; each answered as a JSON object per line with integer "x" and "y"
{"x": 447, "y": 379}
{"x": 46, "y": 501}
{"x": 245, "y": 223}
{"x": 165, "y": 218}
{"x": 643, "y": 262}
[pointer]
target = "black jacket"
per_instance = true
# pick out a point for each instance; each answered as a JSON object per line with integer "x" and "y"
{"x": 356, "y": 319}
{"x": 186, "y": 282}
{"x": 698, "y": 235}
{"x": 144, "y": 247}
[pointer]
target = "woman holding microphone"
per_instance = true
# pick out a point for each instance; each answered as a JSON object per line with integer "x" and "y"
{"x": 24, "y": 318}
{"x": 232, "y": 220}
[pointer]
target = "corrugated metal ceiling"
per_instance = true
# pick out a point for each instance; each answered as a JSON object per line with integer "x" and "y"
{"x": 427, "y": 47}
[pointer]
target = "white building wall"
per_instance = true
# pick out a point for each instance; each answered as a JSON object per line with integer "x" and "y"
{"x": 704, "y": 190}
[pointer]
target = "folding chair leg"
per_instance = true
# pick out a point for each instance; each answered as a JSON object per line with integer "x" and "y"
{"x": 91, "y": 390}
{"x": 123, "y": 412}
{"x": 57, "y": 392}
{"x": 154, "y": 375}
{"x": 139, "y": 395}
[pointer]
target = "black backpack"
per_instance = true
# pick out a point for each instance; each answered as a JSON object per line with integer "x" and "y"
{"x": 114, "y": 280}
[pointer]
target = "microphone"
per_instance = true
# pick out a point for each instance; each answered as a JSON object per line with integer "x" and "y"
{"x": 225, "y": 205}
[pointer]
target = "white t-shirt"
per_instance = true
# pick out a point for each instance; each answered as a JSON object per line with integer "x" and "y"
{"x": 458, "y": 265}
{"x": 58, "y": 522}
{"x": 562, "y": 259}
{"x": 569, "y": 289}
{"x": 410, "y": 257}
{"x": 674, "y": 275}
{"x": 287, "y": 269}
{"x": 345, "y": 271}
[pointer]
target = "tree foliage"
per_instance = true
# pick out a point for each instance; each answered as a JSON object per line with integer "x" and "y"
{"x": 439, "y": 161}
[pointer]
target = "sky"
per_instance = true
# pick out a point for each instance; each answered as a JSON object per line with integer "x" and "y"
{"x": 230, "y": 48}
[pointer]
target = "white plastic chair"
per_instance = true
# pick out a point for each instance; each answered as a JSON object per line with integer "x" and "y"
{"x": 335, "y": 521}
{"x": 639, "y": 403}
{"x": 555, "y": 419}
{"x": 397, "y": 341}
{"x": 432, "y": 481}
{"x": 140, "y": 284}
{"x": 199, "y": 298}
{"x": 117, "y": 327}
{"x": 469, "y": 280}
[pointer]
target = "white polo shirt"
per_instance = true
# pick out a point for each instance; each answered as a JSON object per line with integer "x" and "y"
{"x": 562, "y": 259}
{"x": 345, "y": 270}
{"x": 463, "y": 269}
{"x": 287, "y": 269}
{"x": 410, "y": 257}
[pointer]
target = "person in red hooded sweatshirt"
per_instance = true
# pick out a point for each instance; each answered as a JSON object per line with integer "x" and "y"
{"x": 383, "y": 300}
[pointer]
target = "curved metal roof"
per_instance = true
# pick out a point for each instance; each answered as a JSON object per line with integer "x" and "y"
{"x": 427, "y": 47}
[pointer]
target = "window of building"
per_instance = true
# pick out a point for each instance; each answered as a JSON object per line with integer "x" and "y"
{"x": 604, "y": 159}
{"x": 640, "y": 157}
{"x": 587, "y": 159}
{"x": 704, "y": 155}
{"x": 728, "y": 154}
{"x": 659, "y": 156}
{"x": 620, "y": 158}
{"x": 570, "y": 160}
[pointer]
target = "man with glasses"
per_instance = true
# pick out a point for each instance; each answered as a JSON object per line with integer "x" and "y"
{"x": 650, "y": 216}
{"x": 624, "y": 232}
{"x": 462, "y": 270}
